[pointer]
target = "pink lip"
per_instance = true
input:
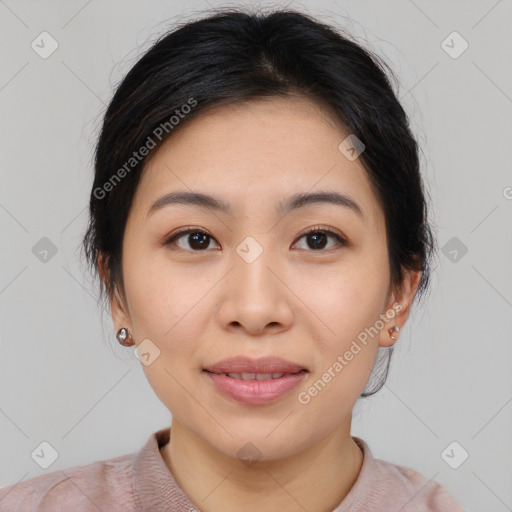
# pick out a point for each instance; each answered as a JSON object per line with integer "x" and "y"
{"x": 262, "y": 365}
{"x": 255, "y": 392}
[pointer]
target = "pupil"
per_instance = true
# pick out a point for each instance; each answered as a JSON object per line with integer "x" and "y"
{"x": 315, "y": 237}
{"x": 195, "y": 237}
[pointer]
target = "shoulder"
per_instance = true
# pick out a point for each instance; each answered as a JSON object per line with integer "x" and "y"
{"x": 418, "y": 492}
{"x": 392, "y": 486}
{"x": 91, "y": 487}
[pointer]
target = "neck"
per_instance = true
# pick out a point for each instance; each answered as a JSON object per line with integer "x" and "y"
{"x": 317, "y": 478}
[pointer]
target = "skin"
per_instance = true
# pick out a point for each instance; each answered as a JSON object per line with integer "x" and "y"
{"x": 199, "y": 306}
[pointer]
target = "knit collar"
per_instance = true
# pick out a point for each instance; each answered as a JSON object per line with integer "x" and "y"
{"x": 156, "y": 489}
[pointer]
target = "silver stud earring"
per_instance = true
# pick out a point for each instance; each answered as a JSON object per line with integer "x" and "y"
{"x": 124, "y": 337}
{"x": 392, "y": 330}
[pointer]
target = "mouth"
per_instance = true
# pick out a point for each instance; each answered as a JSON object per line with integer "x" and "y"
{"x": 263, "y": 368}
{"x": 256, "y": 376}
{"x": 255, "y": 381}
{"x": 262, "y": 389}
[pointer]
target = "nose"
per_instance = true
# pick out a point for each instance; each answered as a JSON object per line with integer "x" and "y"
{"x": 255, "y": 297}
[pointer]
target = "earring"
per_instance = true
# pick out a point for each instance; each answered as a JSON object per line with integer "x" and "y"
{"x": 124, "y": 337}
{"x": 392, "y": 330}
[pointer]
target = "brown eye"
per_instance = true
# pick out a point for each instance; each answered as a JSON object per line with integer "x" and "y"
{"x": 197, "y": 239}
{"x": 317, "y": 238}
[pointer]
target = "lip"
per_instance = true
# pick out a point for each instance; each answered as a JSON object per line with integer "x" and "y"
{"x": 244, "y": 364}
{"x": 254, "y": 392}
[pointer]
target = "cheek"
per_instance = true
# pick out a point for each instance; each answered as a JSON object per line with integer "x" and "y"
{"x": 174, "y": 335}
{"x": 163, "y": 295}
{"x": 165, "y": 309}
{"x": 346, "y": 340}
{"x": 345, "y": 300}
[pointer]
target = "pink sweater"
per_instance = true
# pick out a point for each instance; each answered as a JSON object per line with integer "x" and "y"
{"x": 142, "y": 482}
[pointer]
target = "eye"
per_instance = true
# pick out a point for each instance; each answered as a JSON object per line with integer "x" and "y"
{"x": 318, "y": 235}
{"x": 198, "y": 239}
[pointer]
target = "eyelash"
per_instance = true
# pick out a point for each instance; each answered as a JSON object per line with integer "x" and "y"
{"x": 314, "y": 229}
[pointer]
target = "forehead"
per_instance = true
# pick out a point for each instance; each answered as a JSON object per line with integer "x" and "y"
{"x": 255, "y": 155}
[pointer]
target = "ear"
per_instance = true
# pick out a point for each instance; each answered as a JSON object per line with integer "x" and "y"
{"x": 400, "y": 302}
{"x": 120, "y": 315}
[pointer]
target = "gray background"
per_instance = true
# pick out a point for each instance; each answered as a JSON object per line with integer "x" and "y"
{"x": 64, "y": 379}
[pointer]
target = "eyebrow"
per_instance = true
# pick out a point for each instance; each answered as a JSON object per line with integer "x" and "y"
{"x": 294, "y": 202}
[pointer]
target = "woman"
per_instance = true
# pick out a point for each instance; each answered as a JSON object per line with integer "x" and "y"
{"x": 259, "y": 225}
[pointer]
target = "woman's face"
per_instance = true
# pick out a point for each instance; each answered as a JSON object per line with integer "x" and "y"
{"x": 257, "y": 285}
